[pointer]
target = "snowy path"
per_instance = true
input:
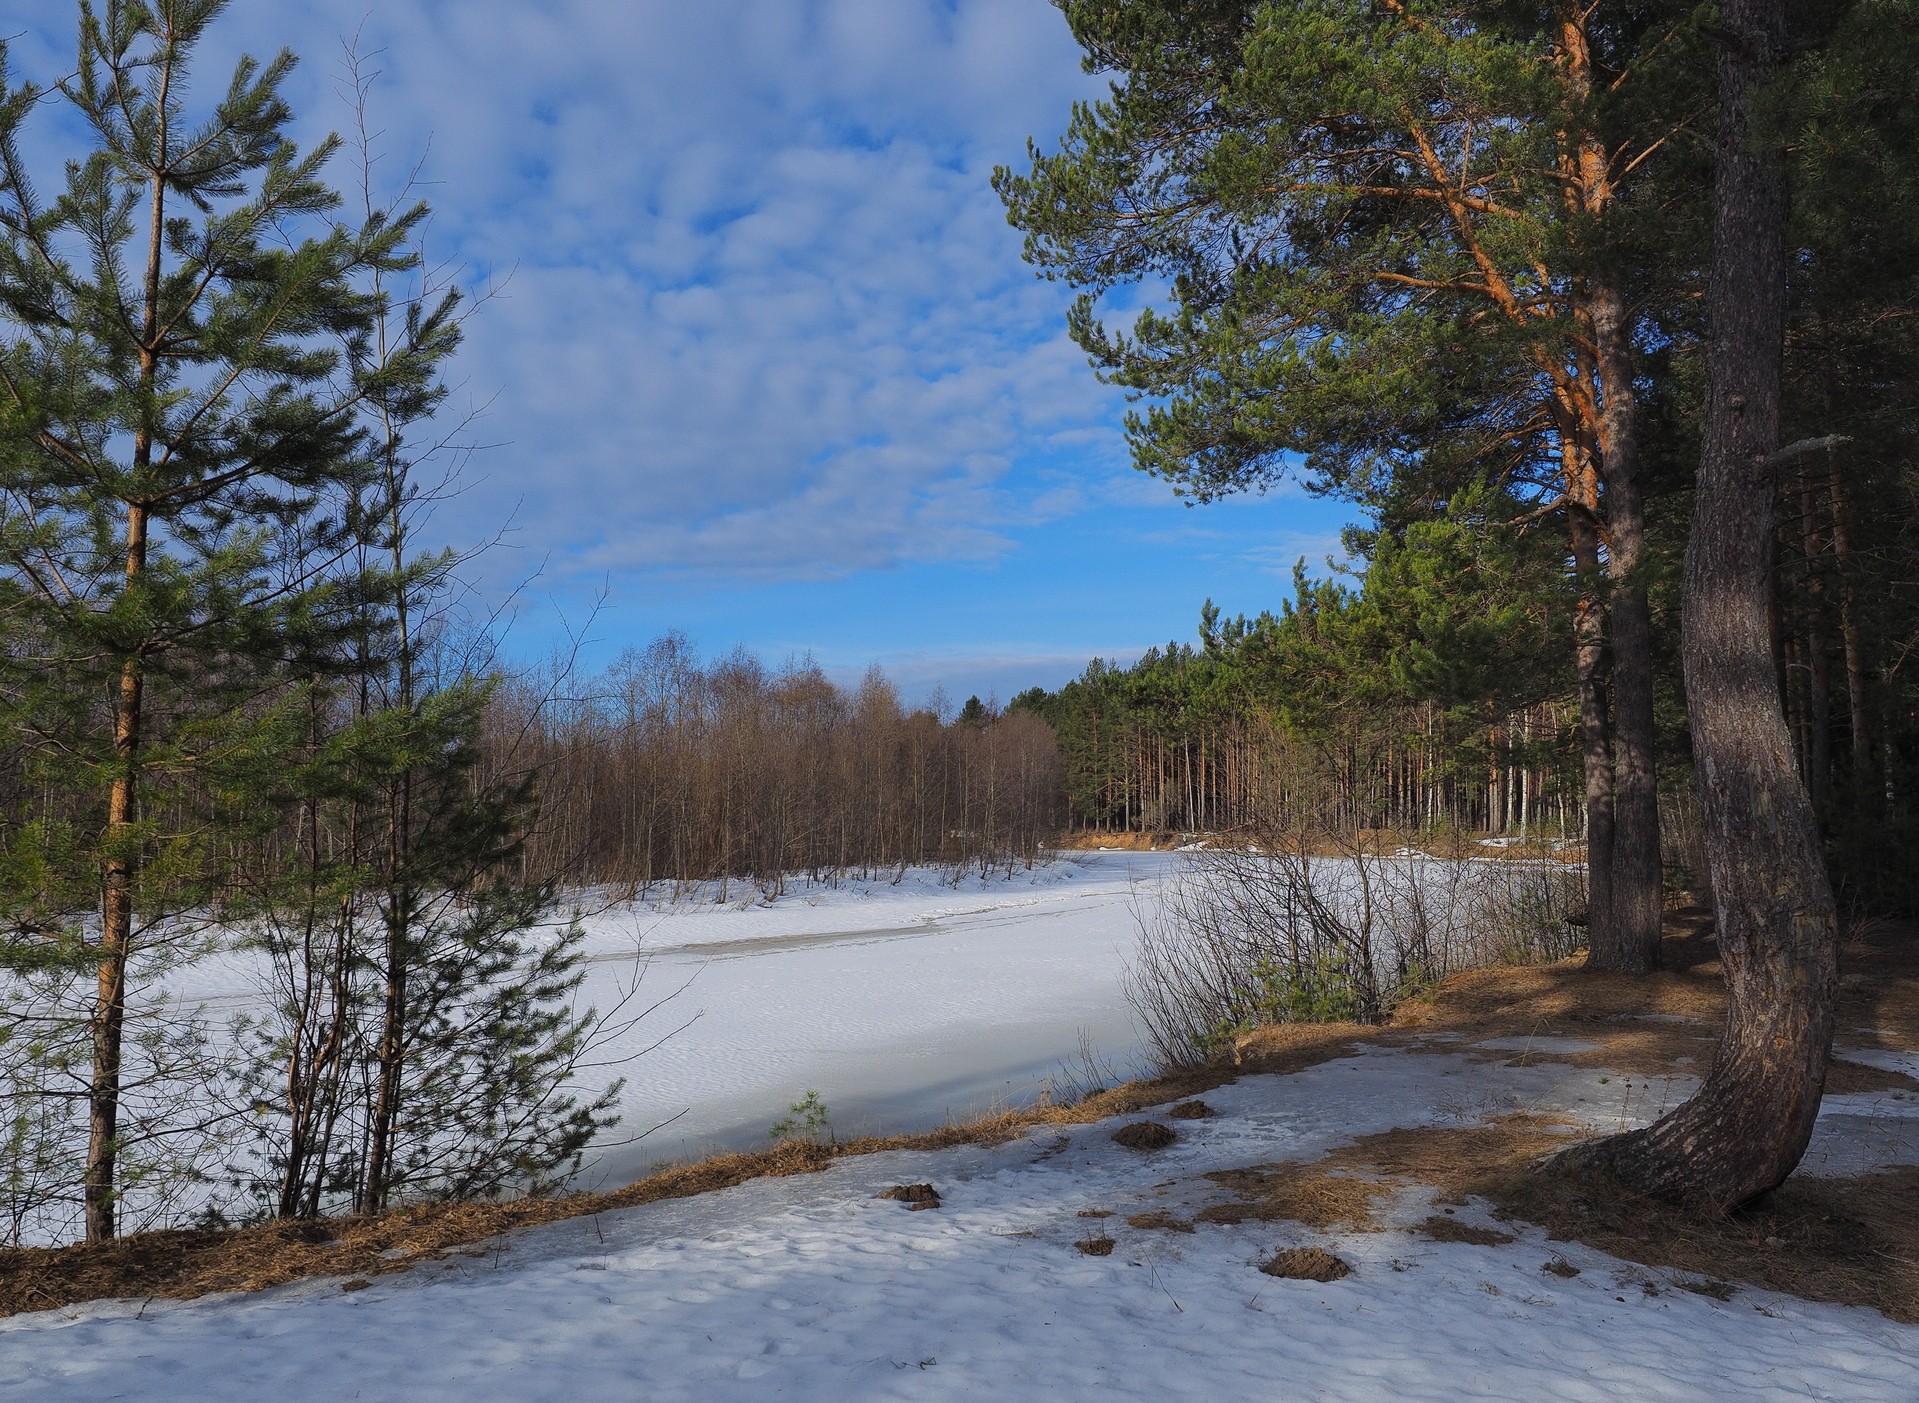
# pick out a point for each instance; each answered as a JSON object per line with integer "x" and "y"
{"x": 811, "y": 1289}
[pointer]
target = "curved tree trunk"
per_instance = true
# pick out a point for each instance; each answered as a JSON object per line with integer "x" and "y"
{"x": 1747, "y": 1127}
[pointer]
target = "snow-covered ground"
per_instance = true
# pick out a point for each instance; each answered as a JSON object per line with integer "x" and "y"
{"x": 810, "y": 1288}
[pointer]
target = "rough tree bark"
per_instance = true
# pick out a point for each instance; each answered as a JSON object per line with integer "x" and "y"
{"x": 1626, "y": 910}
{"x": 1748, "y": 1125}
{"x": 1630, "y": 941}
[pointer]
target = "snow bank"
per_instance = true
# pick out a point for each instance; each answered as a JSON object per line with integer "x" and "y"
{"x": 813, "y": 1289}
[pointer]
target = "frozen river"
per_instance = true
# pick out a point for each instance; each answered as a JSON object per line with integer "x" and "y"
{"x": 900, "y": 1003}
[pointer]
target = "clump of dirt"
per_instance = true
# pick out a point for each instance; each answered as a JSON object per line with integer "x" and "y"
{"x": 1159, "y": 1221}
{"x": 1190, "y": 1110}
{"x": 914, "y": 1196}
{"x": 1145, "y": 1135}
{"x": 1306, "y": 1264}
{"x": 1094, "y": 1213}
{"x": 1560, "y": 1267}
{"x": 1443, "y": 1229}
{"x": 1099, "y": 1246}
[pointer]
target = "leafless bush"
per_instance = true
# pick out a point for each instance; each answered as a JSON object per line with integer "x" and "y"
{"x": 1322, "y": 929}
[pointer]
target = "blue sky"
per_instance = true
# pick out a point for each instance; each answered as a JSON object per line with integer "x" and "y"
{"x": 762, "y": 363}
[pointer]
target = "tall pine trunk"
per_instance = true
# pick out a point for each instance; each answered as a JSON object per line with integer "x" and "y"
{"x": 101, "y": 1191}
{"x": 1748, "y": 1125}
{"x": 1590, "y": 658}
{"x": 1631, "y": 937}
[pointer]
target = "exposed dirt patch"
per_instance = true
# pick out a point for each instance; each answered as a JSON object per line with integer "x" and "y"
{"x": 914, "y": 1196}
{"x": 1159, "y": 1221}
{"x": 1093, "y": 840}
{"x": 1190, "y": 1110}
{"x": 1306, "y": 1264}
{"x": 1642, "y": 1026}
{"x": 1145, "y": 1135}
{"x": 1316, "y": 1194}
{"x": 1443, "y": 1229}
{"x": 1559, "y": 1267}
{"x": 1100, "y": 1246}
{"x": 1854, "y": 1241}
{"x": 1293, "y": 1047}
{"x": 1844, "y": 1077}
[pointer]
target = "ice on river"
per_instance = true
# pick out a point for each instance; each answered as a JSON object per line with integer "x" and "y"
{"x": 902, "y": 1002}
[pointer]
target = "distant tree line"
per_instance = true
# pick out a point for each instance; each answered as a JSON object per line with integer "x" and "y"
{"x": 669, "y": 770}
{"x": 1379, "y": 703}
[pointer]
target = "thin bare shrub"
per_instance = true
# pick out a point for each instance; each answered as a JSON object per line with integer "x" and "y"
{"x": 1333, "y": 928}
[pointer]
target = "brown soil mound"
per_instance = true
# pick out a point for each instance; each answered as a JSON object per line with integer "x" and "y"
{"x": 1101, "y": 1246}
{"x": 1306, "y": 1264}
{"x": 1145, "y": 1135}
{"x": 1190, "y": 1110}
{"x": 1443, "y": 1229}
{"x": 914, "y": 1196}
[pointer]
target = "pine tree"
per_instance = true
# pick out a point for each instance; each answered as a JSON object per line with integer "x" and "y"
{"x": 1403, "y": 245}
{"x": 181, "y": 451}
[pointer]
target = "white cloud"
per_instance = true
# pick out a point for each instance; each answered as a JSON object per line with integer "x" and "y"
{"x": 764, "y": 319}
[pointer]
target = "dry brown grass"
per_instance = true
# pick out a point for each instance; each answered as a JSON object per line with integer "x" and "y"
{"x": 1443, "y": 1229}
{"x": 1159, "y": 1220}
{"x": 1854, "y": 1241}
{"x": 1293, "y": 1047}
{"x": 1093, "y": 841}
{"x": 1331, "y": 1198}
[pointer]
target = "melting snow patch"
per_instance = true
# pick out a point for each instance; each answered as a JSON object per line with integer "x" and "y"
{"x": 1549, "y": 1045}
